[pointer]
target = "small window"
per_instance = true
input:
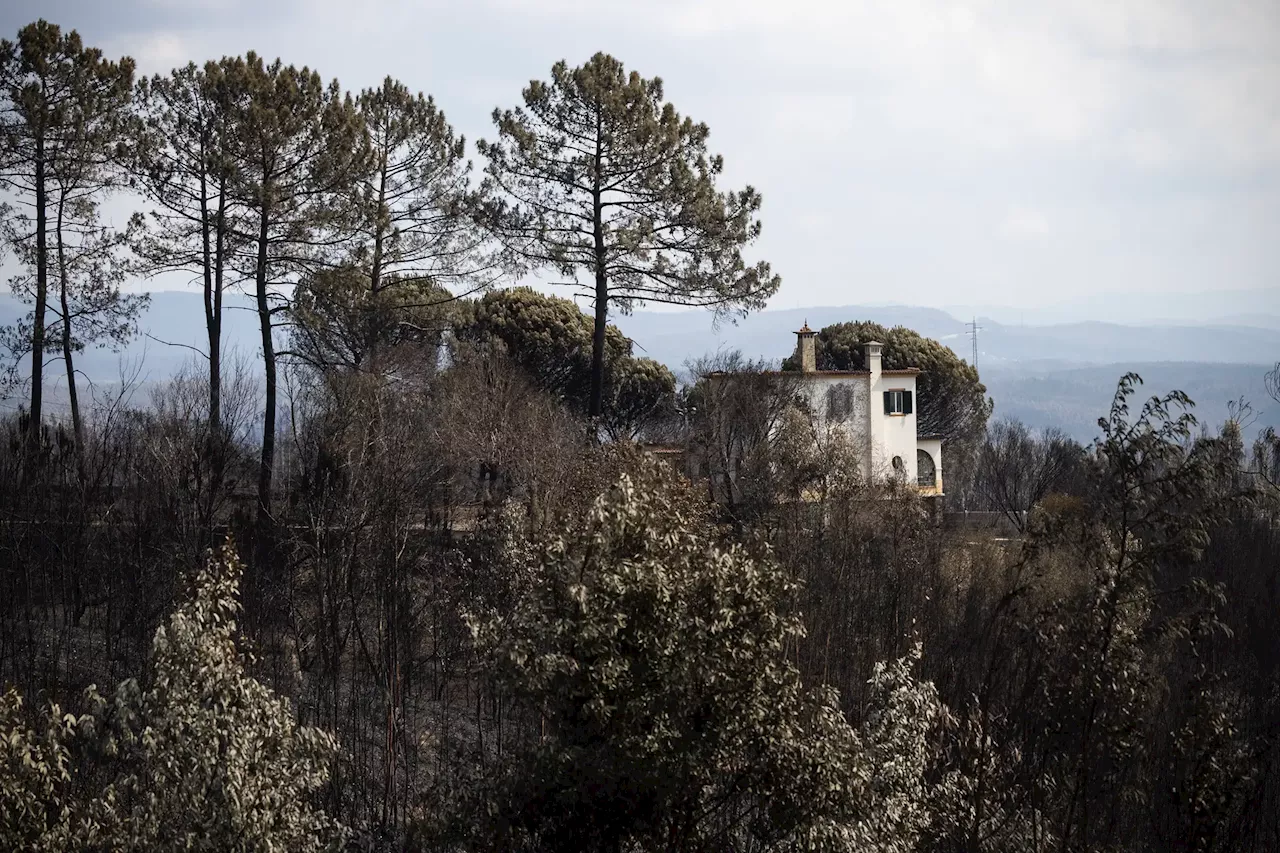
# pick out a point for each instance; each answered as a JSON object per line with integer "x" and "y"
{"x": 897, "y": 402}
{"x": 899, "y": 467}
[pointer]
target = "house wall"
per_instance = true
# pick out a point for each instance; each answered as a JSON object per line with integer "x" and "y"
{"x": 856, "y": 423}
{"x": 893, "y": 435}
{"x": 890, "y": 435}
{"x": 878, "y": 437}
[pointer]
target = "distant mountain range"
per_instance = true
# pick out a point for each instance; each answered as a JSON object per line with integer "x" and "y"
{"x": 174, "y": 322}
{"x": 1073, "y": 398}
{"x": 1258, "y": 306}
{"x": 672, "y": 337}
{"x": 1059, "y": 375}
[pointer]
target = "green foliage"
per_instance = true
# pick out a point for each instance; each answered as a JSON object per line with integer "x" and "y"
{"x": 639, "y": 731}
{"x": 549, "y": 337}
{"x": 1216, "y": 767}
{"x": 595, "y": 174}
{"x": 656, "y": 659}
{"x": 206, "y": 758}
{"x": 180, "y": 159}
{"x": 951, "y": 400}
{"x": 35, "y": 777}
{"x": 1265, "y": 462}
{"x": 63, "y": 109}
{"x": 551, "y": 340}
{"x": 341, "y": 323}
{"x": 221, "y": 763}
{"x": 1156, "y": 485}
{"x": 294, "y": 145}
{"x": 296, "y": 150}
{"x": 637, "y": 391}
{"x": 414, "y": 200}
{"x": 412, "y": 239}
{"x": 892, "y": 792}
{"x": 1154, "y": 504}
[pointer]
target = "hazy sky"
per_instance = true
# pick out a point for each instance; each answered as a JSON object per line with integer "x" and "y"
{"x": 930, "y": 153}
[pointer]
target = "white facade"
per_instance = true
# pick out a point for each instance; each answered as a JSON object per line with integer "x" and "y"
{"x": 877, "y": 410}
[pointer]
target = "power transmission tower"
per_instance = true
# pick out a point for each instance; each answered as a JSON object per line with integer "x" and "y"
{"x": 974, "y": 328}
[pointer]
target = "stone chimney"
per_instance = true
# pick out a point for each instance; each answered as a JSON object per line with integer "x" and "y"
{"x": 806, "y": 348}
{"x": 873, "y": 351}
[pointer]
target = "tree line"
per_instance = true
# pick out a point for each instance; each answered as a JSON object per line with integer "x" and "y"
{"x": 361, "y": 209}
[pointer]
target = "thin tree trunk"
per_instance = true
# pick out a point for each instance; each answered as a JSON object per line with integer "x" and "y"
{"x": 73, "y": 396}
{"x": 596, "y": 405}
{"x": 375, "y": 273}
{"x": 37, "y": 323}
{"x": 211, "y": 314}
{"x": 597, "y": 343}
{"x": 215, "y": 445}
{"x": 266, "y": 465}
{"x": 215, "y": 326}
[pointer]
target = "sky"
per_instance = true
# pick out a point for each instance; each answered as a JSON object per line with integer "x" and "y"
{"x": 1095, "y": 152}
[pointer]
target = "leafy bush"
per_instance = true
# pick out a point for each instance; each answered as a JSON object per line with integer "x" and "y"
{"x": 656, "y": 658}
{"x": 207, "y": 758}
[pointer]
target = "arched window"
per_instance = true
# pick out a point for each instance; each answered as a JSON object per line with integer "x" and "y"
{"x": 926, "y": 471}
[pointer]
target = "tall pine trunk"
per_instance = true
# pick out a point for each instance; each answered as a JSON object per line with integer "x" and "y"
{"x": 596, "y": 405}
{"x": 219, "y": 274}
{"x": 266, "y": 465}
{"x": 597, "y": 341}
{"x": 214, "y": 259}
{"x": 37, "y": 322}
{"x": 212, "y": 307}
{"x": 370, "y": 355}
{"x": 67, "y": 357}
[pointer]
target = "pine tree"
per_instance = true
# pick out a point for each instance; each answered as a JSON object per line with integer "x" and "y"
{"x": 91, "y": 308}
{"x": 416, "y": 235}
{"x": 180, "y": 162}
{"x": 295, "y": 151}
{"x": 596, "y": 174}
{"x": 414, "y": 241}
{"x": 62, "y": 106}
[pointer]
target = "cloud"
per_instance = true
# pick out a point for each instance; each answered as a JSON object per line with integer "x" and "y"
{"x": 1022, "y": 224}
{"x": 1149, "y": 149}
{"x": 917, "y": 145}
{"x": 995, "y": 76}
{"x": 159, "y": 52}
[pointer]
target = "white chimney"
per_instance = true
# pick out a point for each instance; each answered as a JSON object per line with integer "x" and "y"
{"x": 873, "y": 351}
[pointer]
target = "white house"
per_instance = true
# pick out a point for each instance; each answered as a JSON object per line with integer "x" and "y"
{"x": 877, "y": 409}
